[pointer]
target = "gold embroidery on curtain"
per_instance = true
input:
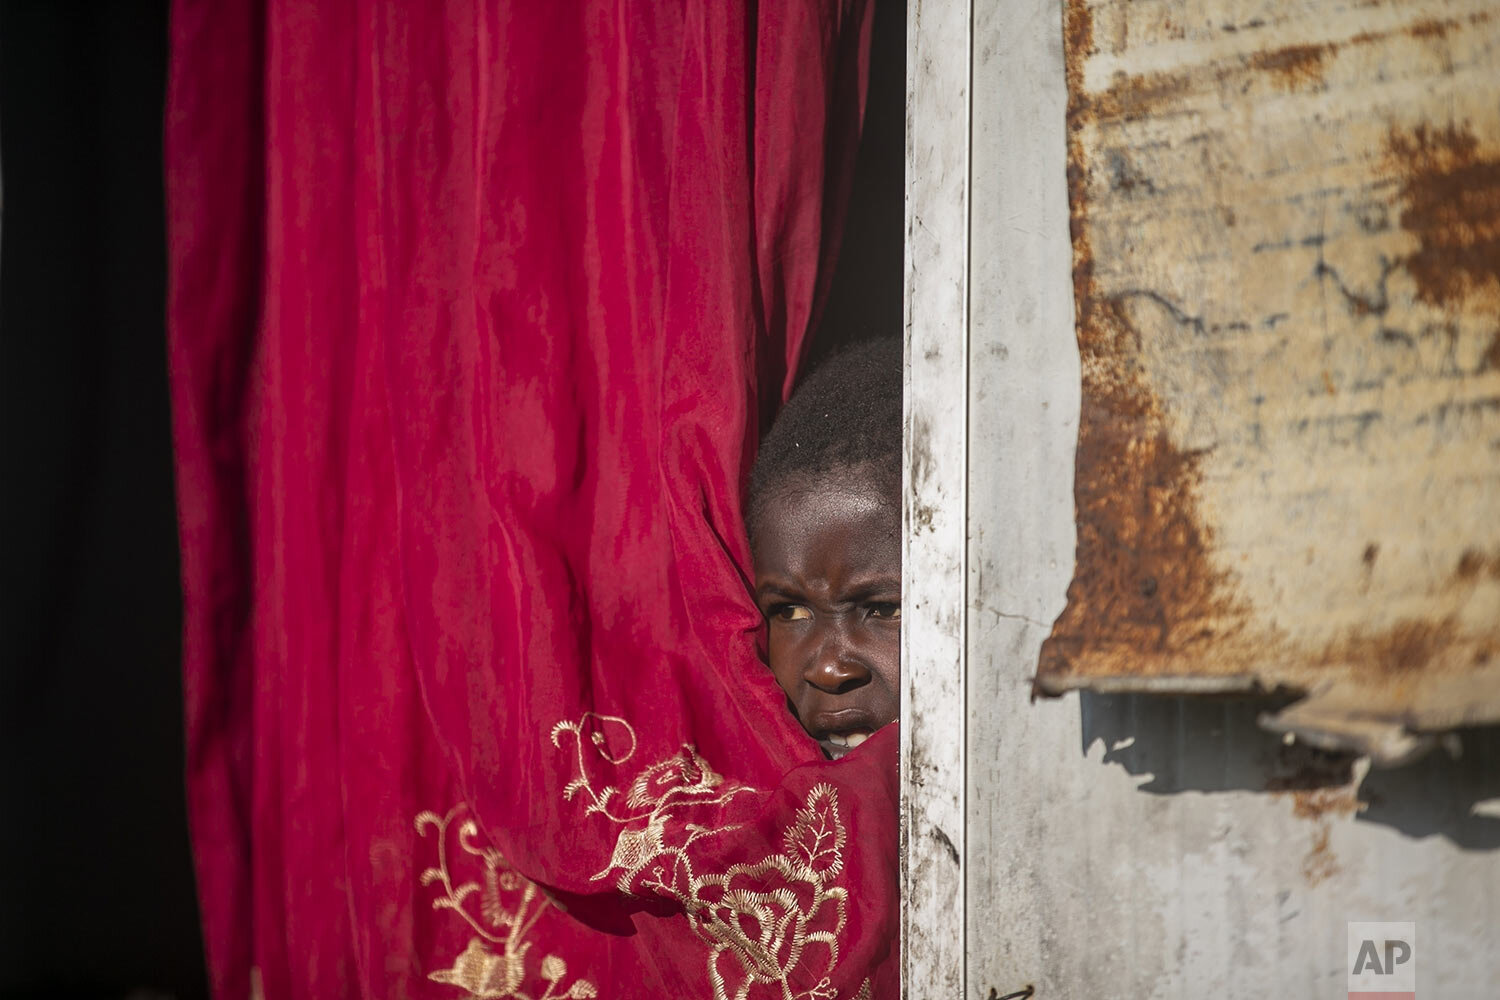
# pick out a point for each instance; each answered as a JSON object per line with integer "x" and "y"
{"x": 493, "y": 966}
{"x": 766, "y": 922}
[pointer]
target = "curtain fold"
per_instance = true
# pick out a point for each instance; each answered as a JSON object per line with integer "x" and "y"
{"x": 476, "y": 314}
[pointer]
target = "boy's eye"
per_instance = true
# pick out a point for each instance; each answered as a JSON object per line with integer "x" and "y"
{"x": 790, "y": 612}
{"x": 887, "y": 610}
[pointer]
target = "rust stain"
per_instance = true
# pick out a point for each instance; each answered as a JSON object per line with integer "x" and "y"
{"x": 1295, "y": 66}
{"x": 1078, "y": 44}
{"x": 1372, "y": 552}
{"x": 1473, "y": 563}
{"x": 1424, "y": 30}
{"x": 1128, "y": 98}
{"x": 1491, "y": 359}
{"x": 1470, "y": 564}
{"x": 1409, "y": 645}
{"x": 1319, "y": 864}
{"x": 1301, "y": 767}
{"x": 1316, "y": 803}
{"x": 1135, "y": 97}
{"x": 1450, "y": 190}
{"x": 1143, "y": 579}
{"x": 1431, "y": 28}
{"x": 1405, "y": 649}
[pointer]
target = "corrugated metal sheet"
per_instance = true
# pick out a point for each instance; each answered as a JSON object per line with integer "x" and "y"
{"x": 1286, "y": 236}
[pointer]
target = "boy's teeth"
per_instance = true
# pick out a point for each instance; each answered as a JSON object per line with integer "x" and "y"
{"x": 837, "y": 739}
{"x": 855, "y": 739}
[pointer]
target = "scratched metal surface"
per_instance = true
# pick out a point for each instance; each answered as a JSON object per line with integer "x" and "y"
{"x": 933, "y": 847}
{"x": 1286, "y": 243}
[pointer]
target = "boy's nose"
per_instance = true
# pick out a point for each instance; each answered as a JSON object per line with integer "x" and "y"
{"x": 835, "y": 667}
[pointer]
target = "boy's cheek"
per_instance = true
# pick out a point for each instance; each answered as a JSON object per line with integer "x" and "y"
{"x": 778, "y": 658}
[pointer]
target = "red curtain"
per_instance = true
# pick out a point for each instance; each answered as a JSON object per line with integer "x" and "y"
{"x": 477, "y": 311}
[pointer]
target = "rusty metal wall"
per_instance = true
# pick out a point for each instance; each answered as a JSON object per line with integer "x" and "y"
{"x": 1286, "y": 270}
{"x": 1163, "y": 846}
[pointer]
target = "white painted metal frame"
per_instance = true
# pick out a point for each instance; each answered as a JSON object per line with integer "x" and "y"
{"x": 1024, "y": 392}
{"x": 991, "y": 419}
{"x": 934, "y": 554}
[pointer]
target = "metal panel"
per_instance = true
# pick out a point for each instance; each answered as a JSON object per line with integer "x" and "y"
{"x": 1168, "y": 847}
{"x": 1286, "y": 236}
{"x": 1023, "y": 419}
{"x": 1143, "y": 846}
{"x": 933, "y": 556}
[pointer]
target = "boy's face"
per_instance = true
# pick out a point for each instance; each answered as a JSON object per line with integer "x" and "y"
{"x": 828, "y": 580}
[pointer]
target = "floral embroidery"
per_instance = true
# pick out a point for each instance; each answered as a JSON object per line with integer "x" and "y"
{"x": 509, "y": 907}
{"x": 766, "y": 922}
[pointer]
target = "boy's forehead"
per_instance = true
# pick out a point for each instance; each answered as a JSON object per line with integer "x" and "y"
{"x": 840, "y": 487}
{"x": 849, "y": 514}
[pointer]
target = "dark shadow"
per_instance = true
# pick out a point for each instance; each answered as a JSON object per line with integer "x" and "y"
{"x": 1204, "y": 744}
{"x": 1436, "y": 795}
{"x": 1211, "y": 744}
{"x": 864, "y": 300}
{"x": 96, "y": 892}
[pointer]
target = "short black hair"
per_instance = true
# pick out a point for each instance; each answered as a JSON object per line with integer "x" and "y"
{"x": 844, "y": 418}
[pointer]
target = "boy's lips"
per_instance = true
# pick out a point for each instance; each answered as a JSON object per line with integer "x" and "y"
{"x": 841, "y": 731}
{"x": 838, "y": 744}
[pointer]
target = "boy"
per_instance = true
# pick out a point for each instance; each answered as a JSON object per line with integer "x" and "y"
{"x": 824, "y": 518}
